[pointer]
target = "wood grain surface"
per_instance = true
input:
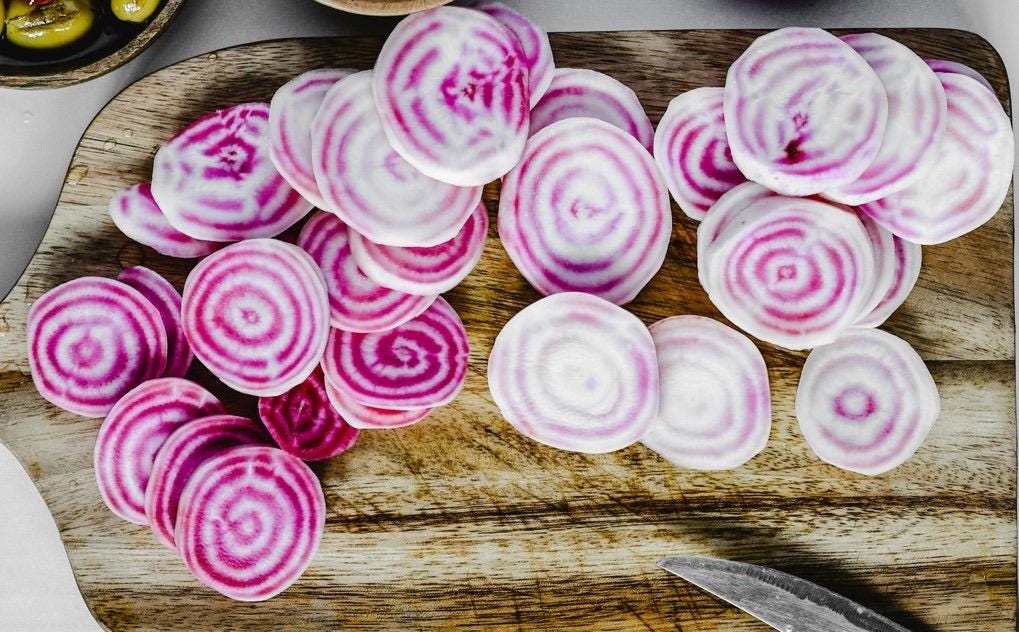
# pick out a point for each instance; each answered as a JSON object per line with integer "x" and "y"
{"x": 460, "y": 521}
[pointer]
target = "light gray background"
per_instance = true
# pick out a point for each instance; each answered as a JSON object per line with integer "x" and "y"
{"x": 39, "y": 130}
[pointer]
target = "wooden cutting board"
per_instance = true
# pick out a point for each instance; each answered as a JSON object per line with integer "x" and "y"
{"x": 460, "y": 520}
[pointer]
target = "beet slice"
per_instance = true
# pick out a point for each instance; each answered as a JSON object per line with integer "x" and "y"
{"x": 135, "y": 212}
{"x": 907, "y": 259}
{"x": 946, "y": 66}
{"x": 166, "y": 299}
{"x": 534, "y": 44}
{"x": 90, "y": 341}
{"x": 304, "y": 423}
{"x": 132, "y": 434}
{"x": 368, "y": 418}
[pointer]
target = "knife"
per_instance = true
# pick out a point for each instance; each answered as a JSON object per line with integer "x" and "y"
{"x": 783, "y": 601}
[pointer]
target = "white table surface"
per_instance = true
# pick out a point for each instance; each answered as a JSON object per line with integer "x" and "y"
{"x": 39, "y": 130}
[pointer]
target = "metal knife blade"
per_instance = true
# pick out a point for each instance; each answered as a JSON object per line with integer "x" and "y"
{"x": 783, "y": 601}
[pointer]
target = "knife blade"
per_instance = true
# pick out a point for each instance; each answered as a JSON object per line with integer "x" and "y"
{"x": 783, "y": 601}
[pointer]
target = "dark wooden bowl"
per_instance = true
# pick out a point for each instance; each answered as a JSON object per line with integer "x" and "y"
{"x": 383, "y": 7}
{"x": 64, "y": 72}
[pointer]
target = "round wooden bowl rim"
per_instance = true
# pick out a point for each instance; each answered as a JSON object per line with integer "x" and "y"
{"x": 383, "y": 7}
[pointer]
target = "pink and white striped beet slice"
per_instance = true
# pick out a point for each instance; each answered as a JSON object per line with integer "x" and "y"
{"x": 794, "y": 272}
{"x": 970, "y": 178}
{"x": 946, "y": 66}
{"x": 804, "y": 113}
{"x": 866, "y": 402}
{"x": 424, "y": 271}
{"x": 91, "y": 340}
{"x": 369, "y": 186}
{"x": 291, "y": 112}
{"x": 215, "y": 181}
{"x": 250, "y": 522}
{"x": 906, "y": 263}
{"x": 188, "y": 447}
{"x": 715, "y": 407}
{"x": 304, "y": 423}
{"x": 256, "y": 314}
{"x": 132, "y": 434}
{"x": 577, "y": 373}
{"x": 883, "y": 245}
{"x": 136, "y": 214}
{"x": 533, "y": 42}
{"x": 693, "y": 153}
{"x": 917, "y": 112}
{"x": 166, "y": 299}
{"x": 356, "y": 303}
{"x": 586, "y": 210}
{"x": 718, "y": 218}
{"x": 420, "y": 364}
{"x": 579, "y": 92}
{"x": 368, "y": 418}
{"x": 451, "y": 88}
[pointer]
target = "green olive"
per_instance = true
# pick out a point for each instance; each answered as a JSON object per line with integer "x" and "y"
{"x": 134, "y": 10}
{"x": 47, "y": 26}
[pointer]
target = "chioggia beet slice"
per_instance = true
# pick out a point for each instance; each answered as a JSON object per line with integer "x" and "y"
{"x": 166, "y": 299}
{"x": 942, "y": 65}
{"x": 719, "y": 216}
{"x": 424, "y": 271}
{"x": 693, "y": 153}
{"x": 804, "y": 113}
{"x": 291, "y": 112}
{"x": 420, "y": 364}
{"x": 907, "y": 260}
{"x": 866, "y": 402}
{"x": 883, "y": 245}
{"x": 715, "y": 407}
{"x": 586, "y": 210}
{"x": 188, "y": 447}
{"x": 917, "y": 112}
{"x": 90, "y": 341}
{"x": 970, "y": 178}
{"x": 256, "y": 314}
{"x": 451, "y": 88}
{"x": 537, "y": 52}
{"x": 577, "y": 373}
{"x": 250, "y": 522}
{"x": 577, "y": 92}
{"x": 136, "y": 214}
{"x": 304, "y": 423}
{"x": 794, "y": 272}
{"x": 368, "y": 418}
{"x": 366, "y": 182}
{"x": 356, "y": 303}
{"x": 134, "y": 431}
{"x": 215, "y": 181}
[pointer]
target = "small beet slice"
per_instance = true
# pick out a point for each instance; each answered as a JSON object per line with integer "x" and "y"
{"x": 420, "y": 364}
{"x": 451, "y": 88}
{"x": 692, "y": 150}
{"x": 715, "y": 411}
{"x": 250, "y": 522}
{"x": 90, "y": 341}
{"x": 579, "y": 92}
{"x": 970, "y": 178}
{"x": 366, "y": 183}
{"x": 424, "y": 271}
{"x": 906, "y": 263}
{"x": 135, "y": 212}
{"x": 215, "y": 181}
{"x": 356, "y": 303}
{"x": 577, "y": 373}
{"x": 537, "y": 51}
{"x": 256, "y": 314}
{"x": 866, "y": 402}
{"x": 188, "y": 447}
{"x": 804, "y": 112}
{"x": 368, "y": 418}
{"x": 917, "y": 113}
{"x": 304, "y": 422}
{"x": 946, "y": 66}
{"x": 586, "y": 210}
{"x": 291, "y": 111}
{"x": 166, "y": 299}
{"x": 134, "y": 431}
